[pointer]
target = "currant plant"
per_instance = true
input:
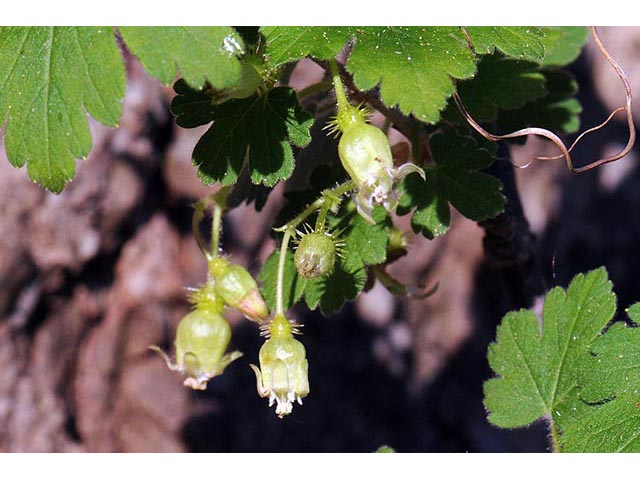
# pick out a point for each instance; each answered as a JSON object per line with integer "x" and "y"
{"x": 574, "y": 368}
{"x": 442, "y": 88}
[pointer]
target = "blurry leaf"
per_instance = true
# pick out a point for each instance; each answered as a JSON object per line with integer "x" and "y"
{"x": 537, "y": 366}
{"x": 501, "y": 83}
{"x": 50, "y": 78}
{"x": 558, "y": 111}
{"x": 454, "y": 178}
{"x": 198, "y": 53}
{"x": 562, "y": 45}
{"x": 524, "y": 43}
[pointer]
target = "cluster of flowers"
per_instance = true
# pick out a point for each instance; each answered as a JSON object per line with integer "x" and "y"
{"x": 203, "y": 335}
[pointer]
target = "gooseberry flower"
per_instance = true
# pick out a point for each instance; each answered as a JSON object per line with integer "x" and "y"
{"x": 238, "y": 289}
{"x": 202, "y": 337}
{"x": 365, "y": 154}
{"x": 283, "y": 373}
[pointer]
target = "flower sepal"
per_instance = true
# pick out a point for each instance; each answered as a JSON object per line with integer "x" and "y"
{"x": 196, "y": 378}
{"x": 283, "y": 374}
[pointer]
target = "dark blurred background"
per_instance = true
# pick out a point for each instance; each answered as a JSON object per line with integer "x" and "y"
{"x": 92, "y": 277}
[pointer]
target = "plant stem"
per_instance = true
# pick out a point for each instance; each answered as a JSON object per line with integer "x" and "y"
{"x": 555, "y": 437}
{"x": 341, "y": 97}
{"x": 324, "y": 203}
{"x": 281, "y": 261}
{"x": 216, "y": 228}
{"x": 198, "y": 214}
{"x": 322, "y": 217}
{"x": 326, "y": 197}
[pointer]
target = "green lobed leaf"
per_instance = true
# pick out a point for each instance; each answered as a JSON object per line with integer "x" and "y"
{"x": 537, "y": 366}
{"x": 192, "y": 107}
{"x": 559, "y": 111}
{"x": 562, "y": 45}
{"x": 613, "y": 366}
{"x": 454, "y": 178}
{"x": 50, "y": 77}
{"x": 293, "y": 284}
{"x": 366, "y": 244}
{"x": 502, "y": 83}
{"x": 287, "y": 44}
{"x": 413, "y": 65}
{"x": 613, "y": 427}
{"x": 257, "y": 131}
{"x": 198, "y": 53}
{"x": 524, "y": 43}
{"x": 332, "y": 291}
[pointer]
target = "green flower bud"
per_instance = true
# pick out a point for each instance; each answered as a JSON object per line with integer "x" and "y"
{"x": 238, "y": 289}
{"x": 202, "y": 337}
{"x": 315, "y": 255}
{"x": 283, "y": 373}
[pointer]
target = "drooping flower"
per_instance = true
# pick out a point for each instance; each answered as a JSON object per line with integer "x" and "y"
{"x": 365, "y": 154}
{"x": 202, "y": 338}
{"x": 283, "y": 373}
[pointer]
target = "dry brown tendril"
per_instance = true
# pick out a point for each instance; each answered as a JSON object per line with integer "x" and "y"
{"x": 542, "y": 132}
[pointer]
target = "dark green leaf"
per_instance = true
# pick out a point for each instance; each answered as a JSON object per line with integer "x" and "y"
{"x": 501, "y": 83}
{"x": 431, "y": 215}
{"x": 366, "y": 244}
{"x": 257, "y": 130}
{"x": 454, "y": 178}
{"x": 331, "y": 291}
{"x": 558, "y": 111}
{"x": 293, "y": 284}
{"x": 192, "y": 107}
{"x": 50, "y": 77}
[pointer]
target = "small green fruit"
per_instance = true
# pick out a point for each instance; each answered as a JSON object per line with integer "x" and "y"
{"x": 315, "y": 255}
